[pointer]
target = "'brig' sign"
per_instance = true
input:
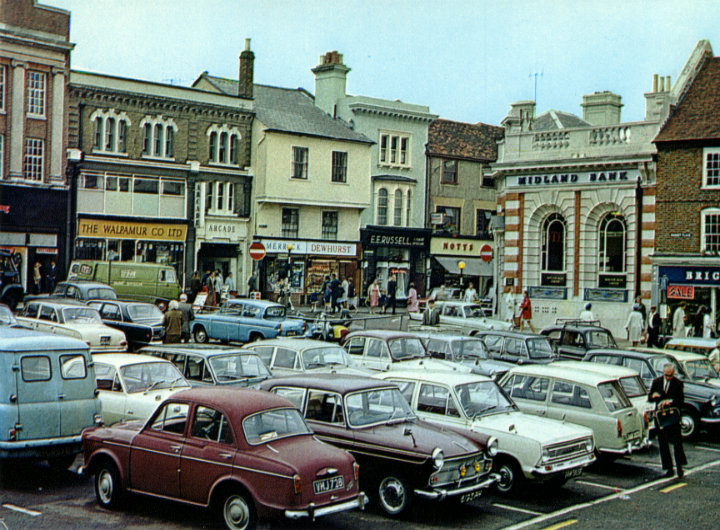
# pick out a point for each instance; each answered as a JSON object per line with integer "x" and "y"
{"x": 582, "y": 178}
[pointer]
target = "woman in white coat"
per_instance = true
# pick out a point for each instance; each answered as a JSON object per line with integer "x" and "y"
{"x": 634, "y": 325}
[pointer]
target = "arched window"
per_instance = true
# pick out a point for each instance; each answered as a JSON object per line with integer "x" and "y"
{"x": 398, "y": 208}
{"x": 213, "y": 147}
{"x": 408, "y": 209}
{"x": 553, "y": 243}
{"x": 157, "y": 151}
{"x": 98, "y": 135}
{"x": 110, "y": 135}
{"x": 382, "y": 207}
{"x": 222, "y": 154}
{"x": 611, "y": 246}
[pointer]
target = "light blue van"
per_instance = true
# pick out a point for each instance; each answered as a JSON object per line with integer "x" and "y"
{"x": 47, "y": 396}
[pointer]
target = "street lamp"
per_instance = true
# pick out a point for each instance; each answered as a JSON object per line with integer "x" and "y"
{"x": 461, "y": 266}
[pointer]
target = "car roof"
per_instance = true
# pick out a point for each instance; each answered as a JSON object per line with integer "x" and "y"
{"x": 695, "y": 341}
{"x": 237, "y": 402}
{"x": 123, "y": 303}
{"x": 14, "y": 339}
{"x": 680, "y": 355}
{"x": 454, "y": 302}
{"x": 342, "y": 384}
{"x": 124, "y": 359}
{"x": 510, "y": 333}
{"x": 612, "y": 370}
{"x": 639, "y": 353}
{"x": 298, "y": 344}
{"x": 434, "y": 376}
{"x": 84, "y": 283}
{"x": 550, "y": 370}
{"x": 445, "y": 336}
{"x": 384, "y": 334}
{"x": 54, "y": 302}
{"x": 252, "y": 301}
{"x": 204, "y": 350}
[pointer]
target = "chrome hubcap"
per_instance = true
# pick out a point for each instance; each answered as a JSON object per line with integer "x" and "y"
{"x": 687, "y": 424}
{"x": 392, "y": 494}
{"x": 105, "y": 486}
{"x": 506, "y": 478}
{"x": 237, "y": 513}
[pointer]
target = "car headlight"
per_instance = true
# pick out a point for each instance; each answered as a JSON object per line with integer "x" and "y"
{"x": 438, "y": 458}
{"x": 492, "y": 447}
{"x": 713, "y": 400}
{"x": 589, "y": 445}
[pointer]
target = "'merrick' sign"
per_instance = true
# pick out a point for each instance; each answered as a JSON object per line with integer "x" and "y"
{"x": 565, "y": 179}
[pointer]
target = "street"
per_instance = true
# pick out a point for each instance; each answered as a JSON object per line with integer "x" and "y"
{"x": 629, "y": 492}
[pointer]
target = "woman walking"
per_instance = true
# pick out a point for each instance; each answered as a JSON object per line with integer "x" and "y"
{"x": 373, "y": 295}
{"x": 634, "y": 325}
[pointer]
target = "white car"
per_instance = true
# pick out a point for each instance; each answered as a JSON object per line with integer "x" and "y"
{"x": 529, "y": 447}
{"x": 465, "y": 317}
{"x": 131, "y": 386}
{"x": 73, "y": 319}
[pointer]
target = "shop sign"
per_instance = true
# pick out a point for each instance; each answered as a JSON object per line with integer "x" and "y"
{"x": 395, "y": 237}
{"x": 612, "y": 281}
{"x": 681, "y": 292}
{"x": 45, "y": 250}
{"x": 220, "y": 229}
{"x": 606, "y": 295}
{"x": 624, "y": 176}
{"x": 690, "y": 275}
{"x": 553, "y": 279}
{"x": 552, "y": 293}
{"x": 451, "y": 246}
{"x": 131, "y": 230}
{"x": 313, "y": 248}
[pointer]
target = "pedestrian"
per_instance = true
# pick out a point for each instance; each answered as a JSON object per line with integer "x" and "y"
{"x": 326, "y": 292}
{"x": 373, "y": 295}
{"x": 391, "y": 294}
{"x": 210, "y": 285}
{"x": 714, "y": 357}
{"x": 413, "y": 306}
{"x": 51, "y": 276}
{"x": 187, "y": 317}
{"x": 470, "y": 294}
{"x": 679, "y": 321}
{"x": 587, "y": 314}
{"x": 431, "y": 316}
{"x": 707, "y": 324}
{"x": 344, "y": 286}
{"x": 195, "y": 286}
{"x": 37, "y": 278}
{"x": 335, "y": 292}
{"x": 172, "y": 322}
{"x": 526, "y": 312}
{"x": 667, "y": 393}
{"x": 634, "y": 325}
{"x": 653, "y": 328}
{"x": 352, "y": 295}
{"x": 643, "y": 310}
{"x": 252, "y": 283}
{"x": 229, "y": 283}
{"x": 205, "y": 277}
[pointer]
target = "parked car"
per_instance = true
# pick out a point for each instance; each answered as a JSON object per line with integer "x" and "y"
{"x": 142, "y": 323}
{"x": 701, "y": 345}
{"x": 48, "y": 396}
{"x": 468, "y": 351}
{"x": 293, "y": 356}
{"x": 131, "y": 386}
{"x": 441, "y": 293}
{"x": 583, "y": 397}
{"x": 245, "y": 320}
{"x": 242, "y": 452}
{"x": 573, "y": 338}
{"x": 382, "y": 350}
{"x": 518, "y": 347}
{"x": 465, "y": 317}
{"x": 529, "y": 448}
{"x": 213, "y": 364}
{"x": 400, "y": 456}
{"x": 11, "y": 290}
{"x": 79, "y": 290}
{"x": 702, "y": 400}
{"x": 72, "y": 319}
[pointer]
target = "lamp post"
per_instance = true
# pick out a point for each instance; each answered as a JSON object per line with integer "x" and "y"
{"x": 461, "y": 266}
{"x": 290, "y": 270}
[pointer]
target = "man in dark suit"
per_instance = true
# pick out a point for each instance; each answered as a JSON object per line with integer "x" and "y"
{"x": 667, "y": 391}
{"x": 653, "y": 328}
{"x": 431, "y": 316}
{"x": 391, "y": 293}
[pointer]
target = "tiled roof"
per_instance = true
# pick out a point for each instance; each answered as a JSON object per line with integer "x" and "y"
{"x": 463, "y": 140}
{"x": 697, "y": 115}
{"x": 557, "y": 119}
{"x": 291, "y": 110}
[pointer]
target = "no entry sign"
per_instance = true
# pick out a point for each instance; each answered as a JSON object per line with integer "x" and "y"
{"x": 486, "y": 253}
{"x": 257, "y": 251}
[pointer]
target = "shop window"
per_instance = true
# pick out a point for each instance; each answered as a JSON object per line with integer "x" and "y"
{"x": 173, "y": 187}
{"x": 290, "y": 222}
{"x": 451, "y": 219}
{"x": 330, "y": 225}
{"x": 146, "y": 186}
{"x": 449, "y": 172}
{"x": 382, "y": 212}
{"x": 711, "y": 167}
{"x": 482, "y": 223}
{"x": 117, "y": 183}
{"x": 91, "y": 181}
{"x": 553, "y": 243}
{"x": 710, "y": 228}
{"x": 611, "y": 246}
{"x": 300, "y": 163}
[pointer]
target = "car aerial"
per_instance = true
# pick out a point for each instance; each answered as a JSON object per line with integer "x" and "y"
{"x": 245, "y": 320}
{"x": 213, "y": 364}
{"x": 48, "y": 396}
{"x": 293, "y": 356}
{"x": 573, "y": 338}
{"x": 72, "y": 319}
{"x": 142, "y": 323}
{"x": 464, "y": 317}
{"x": 463, "y": 349}
{"x": 518, "y": 347}
{"x": 131, "y": 386}
{"x": 702, "y": 400}
{"x": 400, "y": 456}
{"x": 78, "y": 290}
{"x": 241, "y": 452}
{"x": 529, "y": 447}
{"x": 583, "y": 397}
{"x": 383, "y": 350}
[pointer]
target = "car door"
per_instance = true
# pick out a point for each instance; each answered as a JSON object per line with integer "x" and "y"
{"x": 529, "y": 392}
{"x": 285, "y": 362}
{"x": 325, "y": 413}
{"x": 111, "y": 393}
{"x": 435, "y": 403}
{"x": 47, "y": 320}
{"x": 494, "y": 345}
{"x": 155, "y": 451}
{"x": 28, "y": 316}
{"x": 571, "y": 402}
{"x": 355, "y": 347}
{"x": 512, "y": 350}
{"x": 76, "y": 396}
{"x": 37, "y": 397}
{"x": 377, "y": 355}
{"x": 572, "y": 345}
{"x": 197, "y": 372}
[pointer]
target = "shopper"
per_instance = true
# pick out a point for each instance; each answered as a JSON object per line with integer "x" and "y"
{"x": 526, "y": 312}
{"x": 172, "y": 322}
{"x": 667, "y": 393}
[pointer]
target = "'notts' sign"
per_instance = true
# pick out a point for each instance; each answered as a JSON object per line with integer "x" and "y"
{"x": 624, "y": 176}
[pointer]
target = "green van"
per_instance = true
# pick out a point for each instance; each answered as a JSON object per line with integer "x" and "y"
{"x": 145, "y": 282}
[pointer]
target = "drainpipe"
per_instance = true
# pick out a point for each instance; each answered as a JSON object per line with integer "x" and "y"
{"x": 638, "y": 235}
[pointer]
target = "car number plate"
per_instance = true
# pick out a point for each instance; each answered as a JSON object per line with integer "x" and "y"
{"x": 328, "y": 484}
{"x": 104, "y": 340}
{"x": 291, "y": 333}
{"x": 470, "y": 496}
{"x": 572, "y": 473}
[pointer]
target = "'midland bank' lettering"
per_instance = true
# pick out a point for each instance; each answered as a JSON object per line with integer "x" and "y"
{"x": 572, "y": 178}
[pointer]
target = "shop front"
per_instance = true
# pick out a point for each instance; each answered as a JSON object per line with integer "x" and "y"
{"x": 695, "y": 286}
{"x": 220, "y": 245}
{"x": 395, "y": 250}
{"x": 459, "y": 261}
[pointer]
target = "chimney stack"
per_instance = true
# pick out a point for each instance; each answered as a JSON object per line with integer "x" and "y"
{"x": 330, "y": 83}
{"x": 245, "y": 77}
{"x": 657, "y": 102}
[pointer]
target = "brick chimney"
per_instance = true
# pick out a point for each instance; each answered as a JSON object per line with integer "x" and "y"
{"x": 245, "y": 77}
{"x": 330, "y": 81}
{"x": 602, "y": 108}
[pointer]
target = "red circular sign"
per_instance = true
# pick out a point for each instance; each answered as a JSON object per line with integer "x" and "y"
{"x": 486, "y": 253}
{"x": 257, "y": 251}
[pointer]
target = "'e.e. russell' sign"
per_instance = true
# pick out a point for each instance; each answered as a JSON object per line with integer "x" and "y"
{"x": 573, "y": 179}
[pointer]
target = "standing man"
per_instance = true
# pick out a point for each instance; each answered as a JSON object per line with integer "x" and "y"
{"x": 470, "y": 294}
{"x": 187, "y": 316}
{"x": 679, "y": 321}
{"x": 51, "y": 276}
{"x": 172, "y": 322}
{"x": 252, "y": 283}
{"x": 391, "y": 292}
{"x": 653, "y": 329}
{"x": 230, "y": 283}
{"x": 335, "y": 291}
{"x": 667, "y": 392}
{"x": 643, "y": 309}
{"x": 431, "y": 317}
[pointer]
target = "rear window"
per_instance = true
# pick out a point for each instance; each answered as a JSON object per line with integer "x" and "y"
{"x": 614, "y": 396}
{"x": 73, "y": 367}
{"x": 35, "y": 368}
{"x": 633, "y": 386}
{"x": 276, "y": 311}
{"x": 144, "y": 311}
{"x": 102, "y": 293}
{"x": 600, "y": 339}
{"x": 539, "y": 348}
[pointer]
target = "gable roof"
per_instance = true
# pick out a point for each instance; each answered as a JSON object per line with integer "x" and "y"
{"x": 557, "y": 119}
{"x": 290, "y": 110}
{"x": 697, "y": 114}
{"x": 470, "y": 141}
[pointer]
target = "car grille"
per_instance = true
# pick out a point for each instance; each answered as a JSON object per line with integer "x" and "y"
{"x": 461, "y": 471}
{"x": 567, "y": 450}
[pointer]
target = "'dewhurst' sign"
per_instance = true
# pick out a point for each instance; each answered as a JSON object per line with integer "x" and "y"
{"x": 624, "y": 176}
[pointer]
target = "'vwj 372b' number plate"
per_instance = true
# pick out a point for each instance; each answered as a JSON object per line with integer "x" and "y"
{"x": 328, "y": 484}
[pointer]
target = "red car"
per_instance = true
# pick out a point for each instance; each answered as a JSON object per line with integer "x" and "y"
{"x": 243, "y": 453}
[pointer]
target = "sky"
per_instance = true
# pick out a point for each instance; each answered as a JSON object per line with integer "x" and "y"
{"x": 466, "y": 60}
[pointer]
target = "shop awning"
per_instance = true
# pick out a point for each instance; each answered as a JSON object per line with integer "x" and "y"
{"x": 473, "y": 266}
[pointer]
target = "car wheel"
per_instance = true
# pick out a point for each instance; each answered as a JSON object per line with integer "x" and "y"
{"x": 108, "y": 488}
{"x": 255, "y": 336}
{"x": 393, "y": 495}
{"x": 200, "y": 334}
{"x": 61, "y": 463}
{"x": 238, "y": 512}
{"x": 510, "y": 475}
{"x": 689, "y": 424}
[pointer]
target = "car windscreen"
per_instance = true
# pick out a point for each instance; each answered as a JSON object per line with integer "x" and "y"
{"x": 482, "y": 397}
{"x": 539, "y": 348}
{"x": 377, "y": 406}
{"x": 6, "y": 317}
{"x": 614, "y": 396}
{"x": 600, "y": 339}
{"x": 149, "y": 376}
{"x": 406, "y": 348}
{"x": 230, "y": 368}
{"x": 471, "y": 348}
{"x": 658, "y": 362}
{"x": 327, "y": 356}
{"x": 270, "y": 425}
{"x": 275, "y": 311}
{"x": 144, "y": 312}
{"x": 700, "y": 369}
{"x": 633, "y": 386}
{"x": 101, "y": 293}
{"x": 80, "y": 314}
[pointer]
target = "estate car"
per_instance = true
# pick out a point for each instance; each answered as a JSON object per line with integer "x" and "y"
{"x": 518, "y": 347}
{"x": 465, "y": 317}
{"x": 573, "y": 338}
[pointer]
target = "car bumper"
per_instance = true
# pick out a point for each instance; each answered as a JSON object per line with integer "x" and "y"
{"x": 442, "y": 493}
{"x": 312, "y": 511}
{"x": 551, "y": 470}
{"x": 635, "y": 445}
{"x": 41, "y": 448}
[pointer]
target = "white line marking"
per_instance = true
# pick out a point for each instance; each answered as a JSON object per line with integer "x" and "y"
{"x": 596, "y": 485}
{"x": 707, "y": 448}
{"x": 21, "y": 510}
{"x": 570, "y": 509}
{"x": 514, "y": 509}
